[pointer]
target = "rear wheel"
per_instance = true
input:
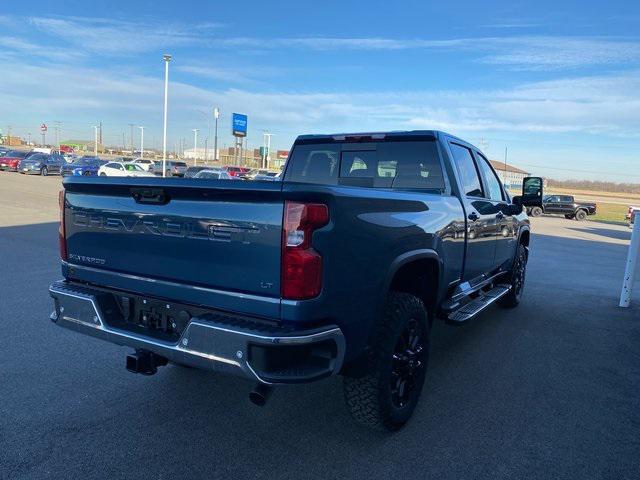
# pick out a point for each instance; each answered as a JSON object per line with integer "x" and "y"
{"x": 44, "y": 171}
{"x": 102, "y": 174}
{"x": 86, "y": 174}
{"x": 516, "y": 279}
{"x": 536, "y": 211}
{"x": 581, "y": 215}
{"x": 386, "y": 396}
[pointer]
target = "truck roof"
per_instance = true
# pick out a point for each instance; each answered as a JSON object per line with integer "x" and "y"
{"x": 376, "y": 136}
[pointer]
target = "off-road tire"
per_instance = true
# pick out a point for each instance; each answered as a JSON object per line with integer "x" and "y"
{"x": 370, "y": 398}
{"x": 536, "y": 211}
{"x": 516, "y": 279}
{"x": 581, "y": 215}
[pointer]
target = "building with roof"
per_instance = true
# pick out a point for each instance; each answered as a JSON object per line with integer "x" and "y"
{"x": 509, "y": 175}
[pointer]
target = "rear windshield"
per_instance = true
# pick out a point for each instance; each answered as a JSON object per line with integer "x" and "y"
{"x": 402, "y": 165}
{"x": 16, "y": 154}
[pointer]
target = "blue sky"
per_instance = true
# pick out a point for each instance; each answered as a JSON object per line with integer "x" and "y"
{"x": 556, "y": 82}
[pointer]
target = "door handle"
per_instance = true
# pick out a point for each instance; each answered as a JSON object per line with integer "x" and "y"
{"x": 473, "y": 216}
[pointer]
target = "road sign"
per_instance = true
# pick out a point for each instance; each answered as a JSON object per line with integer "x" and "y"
{"x": 239, "y": 125}
{"x": 43, "y": 127}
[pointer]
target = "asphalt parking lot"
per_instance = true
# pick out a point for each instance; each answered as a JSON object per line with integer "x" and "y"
{"x": 549, "y": 390}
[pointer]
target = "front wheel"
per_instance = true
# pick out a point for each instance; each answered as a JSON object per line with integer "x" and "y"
{"x": 516, "y": 278}
{"x": 386, "y": 395}
{"x": 536, "y": 211}
{"x": 581, "y": 215}
{"x": 102, "y": 174}
{"x": 44, "y": 171}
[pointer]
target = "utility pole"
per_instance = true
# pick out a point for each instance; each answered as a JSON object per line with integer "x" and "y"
{"x": 216, "y": 115}
{"x": 167, "y": 59}
{"x": 195, "y": 145}
{"x": 141, "y": 141}
{"x": 100, "y": 134}
{"x": 131, "y": 125}
{"x": 505, "y": 164}
{"x": 95, "y": 140}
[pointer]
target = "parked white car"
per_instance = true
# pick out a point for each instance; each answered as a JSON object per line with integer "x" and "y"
{"x": 213, "y": 174}
{"x": 146, "y": 164}
{"x": 123, "y": 169}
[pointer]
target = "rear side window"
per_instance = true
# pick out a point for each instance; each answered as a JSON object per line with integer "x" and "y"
{"x": 467, "y": 169}
{"x": 314, "y": 164}
{"x": 401, "y": 165}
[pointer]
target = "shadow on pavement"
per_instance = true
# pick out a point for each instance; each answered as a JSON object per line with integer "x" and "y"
{"x": 605, "y": 232}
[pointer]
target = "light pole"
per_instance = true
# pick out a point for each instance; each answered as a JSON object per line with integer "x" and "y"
{"x": 141, "y": 141}
{"x": 167, "y": 59}
{"x": 216, "y": 115}
{"x": 267, "y": 145}
{"x": 95, "y": 141}
{"x": 195, "y": 145}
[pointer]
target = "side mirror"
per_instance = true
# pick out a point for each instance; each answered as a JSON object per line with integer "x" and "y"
{"x": 516, "y": 207}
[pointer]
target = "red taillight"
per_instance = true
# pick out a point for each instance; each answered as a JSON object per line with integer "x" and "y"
{"x": 301, "y": 264}
{"x": 61, "y": 230}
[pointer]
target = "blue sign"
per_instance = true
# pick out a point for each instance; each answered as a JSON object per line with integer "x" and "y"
{"x": 239, "y": 125}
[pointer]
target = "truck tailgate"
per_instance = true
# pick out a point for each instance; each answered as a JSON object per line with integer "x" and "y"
{"x": 216, "y": 234}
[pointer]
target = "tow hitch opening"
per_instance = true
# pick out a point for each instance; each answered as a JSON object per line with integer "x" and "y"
{"x": 145, "y": 362}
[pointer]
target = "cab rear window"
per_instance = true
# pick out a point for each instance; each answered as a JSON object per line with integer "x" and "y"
{"x": 401, "y": 165}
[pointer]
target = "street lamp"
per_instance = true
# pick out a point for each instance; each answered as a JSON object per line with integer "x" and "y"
{"x": 195, "y": 145}
{"x": 95, "y": 141}
{"x": 216, "y": 115}
{"x": 141, "y": 141}
{"x": 167, "y": 59}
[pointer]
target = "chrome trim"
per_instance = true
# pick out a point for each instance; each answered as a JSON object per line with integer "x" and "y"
{"x": 465, "y": 288}
{"x": 205, "y": 336}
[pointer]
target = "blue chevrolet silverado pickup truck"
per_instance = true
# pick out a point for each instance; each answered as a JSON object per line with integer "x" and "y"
{"x": 340, "y": 268}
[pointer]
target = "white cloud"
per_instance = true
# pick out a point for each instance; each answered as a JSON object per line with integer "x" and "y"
{"x": 117, "y": 38}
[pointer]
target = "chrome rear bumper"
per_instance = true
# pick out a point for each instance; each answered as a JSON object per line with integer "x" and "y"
{"x": 257, "y": 352}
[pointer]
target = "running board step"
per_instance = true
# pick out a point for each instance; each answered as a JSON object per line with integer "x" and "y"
{"x": 477, "y": 305}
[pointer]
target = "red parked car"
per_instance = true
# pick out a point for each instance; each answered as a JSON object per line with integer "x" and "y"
{"x": 236, "y": 171}
{"x": 11, "y": 161}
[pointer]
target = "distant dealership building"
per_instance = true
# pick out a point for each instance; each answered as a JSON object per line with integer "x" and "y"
{"x": 510, "y": 176}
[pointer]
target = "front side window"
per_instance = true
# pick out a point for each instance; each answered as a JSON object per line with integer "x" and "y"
{"x": 467, "y": 169}
{"x": 493, "y": 184}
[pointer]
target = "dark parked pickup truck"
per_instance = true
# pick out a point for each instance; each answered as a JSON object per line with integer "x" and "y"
{"x": 340, "y": 268}
{"x": 563, "y": 205}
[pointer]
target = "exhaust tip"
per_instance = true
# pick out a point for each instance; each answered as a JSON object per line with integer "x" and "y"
{"x": 260, "y": 394}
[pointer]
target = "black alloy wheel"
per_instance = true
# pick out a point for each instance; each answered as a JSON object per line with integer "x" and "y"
{"x": 408, "y": 363}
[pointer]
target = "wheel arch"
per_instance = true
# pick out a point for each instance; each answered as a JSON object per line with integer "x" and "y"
{"x": 414, "y": 272}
